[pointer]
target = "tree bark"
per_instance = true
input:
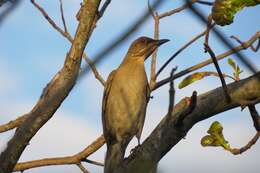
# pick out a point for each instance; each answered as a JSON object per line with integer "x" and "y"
{"x": 55, "y": 92}
{"x": 166, "y": 135}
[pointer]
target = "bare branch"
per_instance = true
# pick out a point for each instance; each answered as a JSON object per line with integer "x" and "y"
{"x": 54, "y": 93}
{"x": 62, "y": 17}
{"x": 255, "y": 117}
{"x": 205, "y": 3}
{"x": 68, "y": 160}
{"x": 70, "y": 39}
{"x": 209, "y": 61}
{"x": 255, "y": 49}
{"x": 171, "y": 93}
{"x": 122, "y": 37}
{"x": 222, "y": 38}
{"x": 237, "y": 151}
{"x": 47, "y": 17}
{"x": 223, "y": 82}
{"x": 177, "y": 10}
{"x": 103, "y": 9}
{"x": 154, "y": 56}
{"x": 179, "y": 51}
{"x": 188, "y": 110}
{"x": 93, "y": 162}
{"x": 82, "y": 168}
{"x": 94, "y": 69}
{"x": 166, "y": 135}
{"x": 8, "y": 10}
{"x": 13, "y": 124}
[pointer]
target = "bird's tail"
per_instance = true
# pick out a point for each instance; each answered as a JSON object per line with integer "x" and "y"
{"x": 114, "y": 156}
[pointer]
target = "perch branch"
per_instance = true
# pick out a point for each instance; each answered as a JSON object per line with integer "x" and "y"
{"x": 166, "y": 135}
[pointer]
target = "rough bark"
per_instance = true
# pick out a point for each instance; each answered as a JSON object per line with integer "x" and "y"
{"x": 166, "y": 135}
{"x": 55, "y": 92}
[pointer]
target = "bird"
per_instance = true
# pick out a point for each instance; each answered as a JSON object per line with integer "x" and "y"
{"x": 125, "y": 99}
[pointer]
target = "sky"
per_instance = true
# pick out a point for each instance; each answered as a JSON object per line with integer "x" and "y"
{"x": 31, "y": 52}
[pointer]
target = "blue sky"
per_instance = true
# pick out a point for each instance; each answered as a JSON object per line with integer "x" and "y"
{"x": 31, "y": 52}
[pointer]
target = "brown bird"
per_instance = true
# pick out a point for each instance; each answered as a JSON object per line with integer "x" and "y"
{"x": 125, "y": 99}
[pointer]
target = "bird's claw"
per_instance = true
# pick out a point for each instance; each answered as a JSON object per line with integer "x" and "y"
{"x": 135, "y": 149}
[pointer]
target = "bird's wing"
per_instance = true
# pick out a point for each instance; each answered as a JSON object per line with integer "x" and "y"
{"x": 105, "y": 96}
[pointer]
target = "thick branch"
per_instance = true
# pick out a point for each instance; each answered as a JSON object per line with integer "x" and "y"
{"x": 54, "y": 93}
{"x": 166, "y": 135}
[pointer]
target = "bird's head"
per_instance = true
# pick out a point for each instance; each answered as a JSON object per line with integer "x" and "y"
{"x": 143, "y": 47}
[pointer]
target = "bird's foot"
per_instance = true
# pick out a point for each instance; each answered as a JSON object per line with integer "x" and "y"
{"x": 135, "y": 149}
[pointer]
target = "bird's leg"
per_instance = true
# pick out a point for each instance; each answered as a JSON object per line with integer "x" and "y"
{"x": 136, "y": 147}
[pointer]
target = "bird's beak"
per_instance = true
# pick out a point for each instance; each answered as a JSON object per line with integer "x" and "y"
{"x": 161, "y": 41}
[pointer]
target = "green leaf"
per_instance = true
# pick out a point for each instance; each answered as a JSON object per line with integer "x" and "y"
{"x": 223, "y": 11}
{"x": 232, "y": 63}
{"x": 215, "y": 137}
{"x": 236, "y": 69}
{"x": 195, "y": 77}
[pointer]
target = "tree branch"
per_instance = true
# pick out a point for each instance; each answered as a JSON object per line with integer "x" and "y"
{"x": 68, "y": 160}
{"x": 13, "y": 124}
{"x": 237, "y": 151}
{"x": 246, "y": 45}
{"x": 166, "y": 135}
{"x": 54, "y": 93}
{"x": 82, "y": 168}
{"x": 62, "y": 17}
{"x": 69, "y": 38}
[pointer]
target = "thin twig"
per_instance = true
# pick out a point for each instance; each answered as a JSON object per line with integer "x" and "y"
{"x": 70, "y": 39}
{"x": 47, "y": 17}
{"x": 221, "y": 36}
{"x": 94, "y": 70}
{"x": 223, "y": 82}
{"x": 171, "y": 93}
{"x": 177, "y": 10}
{"x": 179, "y": 51}
{"x": 82, "y": 168}
{"x": 12, "y": 124}
{"x": 209, "y": 61}
{"x": 255, "y": 49}
{"x": 188, "y": 110}
{"x": 93, "y": 162}
{"x": 209, "y": 22}
{"x": 8, "y": 10}
{"x": 103, "y": 8}
{"x": 205, "y": 3}
{"x": 237, "y": 151}
{"x": 62, "y": 17}
{"x": 68, "y": 160}
{"x": 122, "y": 37}
{"x": 154, "y": 55}
{"x": 255, "y": 117}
